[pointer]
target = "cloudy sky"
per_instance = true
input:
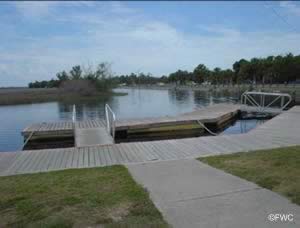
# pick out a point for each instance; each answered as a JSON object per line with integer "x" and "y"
{"x": 38, "y": 39}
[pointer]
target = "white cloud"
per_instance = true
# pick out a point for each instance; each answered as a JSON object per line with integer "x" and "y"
{"x": 37, "y": 9}
{"x": 291, "y": 7}
{"x": 132, "y": 42}
{"x": 119, "y": 8}
{"x": 34, "y": 9}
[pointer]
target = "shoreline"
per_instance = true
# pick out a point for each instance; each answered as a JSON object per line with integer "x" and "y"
{"x": 19, "y": 96}
{"x": 292, "y": 89}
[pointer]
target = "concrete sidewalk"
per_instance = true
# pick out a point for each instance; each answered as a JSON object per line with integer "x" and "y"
{"x": 192, "y": 194}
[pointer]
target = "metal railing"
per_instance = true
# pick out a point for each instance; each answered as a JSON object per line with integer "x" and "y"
{"x": 110, "y": 118}
{"x": 262, "y": 101}
{"x": 31, "y": 134}
{"x": 74, "y": 114}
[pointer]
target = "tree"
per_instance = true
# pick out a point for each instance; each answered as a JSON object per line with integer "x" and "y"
{"x": 227, "y": 76}
{"x": 181, "y": 76}
{"x": 103, "y": 71}
{"x": 62, "y": 76}
{"x": 237, "y": 68}
{"x": 216, "y": 75}
{"x": 53, "y": 83}
{"x": 201, "y": 73}
{"x": 76, "y": 72}
{"x": 163, "y": 79}
{"x": 88, "y": 73}
{"x": 268, "y": 70}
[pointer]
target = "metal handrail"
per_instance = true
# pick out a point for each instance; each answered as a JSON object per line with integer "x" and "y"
{"x": 110, "y": 118}
{"x": 31, "y": 134}
{"x": 261, "y": 104}
{"x": 74, "y": 114}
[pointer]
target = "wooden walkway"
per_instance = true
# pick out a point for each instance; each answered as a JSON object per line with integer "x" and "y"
{"x": 281, "y": 131}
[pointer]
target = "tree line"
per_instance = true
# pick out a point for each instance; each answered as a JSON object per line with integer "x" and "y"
{"x": 272, "y": 69}
{"x": 80, "y": 76}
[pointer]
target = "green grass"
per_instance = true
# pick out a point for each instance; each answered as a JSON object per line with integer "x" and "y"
{"x": 276, "y": 169}
{"x": 79, "y": 197}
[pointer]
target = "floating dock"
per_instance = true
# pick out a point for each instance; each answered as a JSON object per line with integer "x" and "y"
{"x": 92, "y": 132}
{"x": 281, "y": 131}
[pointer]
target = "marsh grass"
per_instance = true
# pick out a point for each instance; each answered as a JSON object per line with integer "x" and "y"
{"x": 28, "y": 96}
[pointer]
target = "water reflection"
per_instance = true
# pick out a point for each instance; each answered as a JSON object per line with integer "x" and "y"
{"x": 84, "y": 109}
{"x": 242, "y": 126}
{"x": 137, "y": 104}
{"x": 202, "y": 98}
{"x": 64, "y": 111}
{"x": 180, "y": 96}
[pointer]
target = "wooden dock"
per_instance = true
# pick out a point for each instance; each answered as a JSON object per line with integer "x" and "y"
{"x": 210, "y": 114}
{"x": 281, "y": 131}
{"x": 126, "y": 130}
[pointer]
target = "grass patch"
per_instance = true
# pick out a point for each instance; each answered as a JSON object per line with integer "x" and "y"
{"x": 79, "y": 197}
{"x": 276, "y": 169}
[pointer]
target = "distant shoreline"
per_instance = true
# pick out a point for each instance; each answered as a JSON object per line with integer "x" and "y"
{"x": 292, "y": 89}
{"x": 21, "y": 95}
{"x": 199, "y": 86}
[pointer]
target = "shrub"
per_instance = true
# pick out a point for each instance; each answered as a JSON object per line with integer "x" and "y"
{"x": 80, "y": 86}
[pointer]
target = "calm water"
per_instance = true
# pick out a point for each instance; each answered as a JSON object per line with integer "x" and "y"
{"x": 138, "y": 103}
{"x": 242, "y": 126}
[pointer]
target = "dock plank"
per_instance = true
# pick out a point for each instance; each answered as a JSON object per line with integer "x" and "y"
{"x": 6, "y": 160}
{"x": 42, "y": 163}
{"x": 24, "y": 161}
{"x": 34, "y": 162}
{"x": 136, "y": 154}
{"x": 99, "y": 156}
{"x": 107, "y": 156}
{"x": 70, "y": 159}
{"x": 58, "y": 159}
{"x": 52, "y": 161}
{"x": 131, "y": 154}
{"x": 15, "y": 164}
{"x": 80, "y": 158}
{"x": 75, "y": 161}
